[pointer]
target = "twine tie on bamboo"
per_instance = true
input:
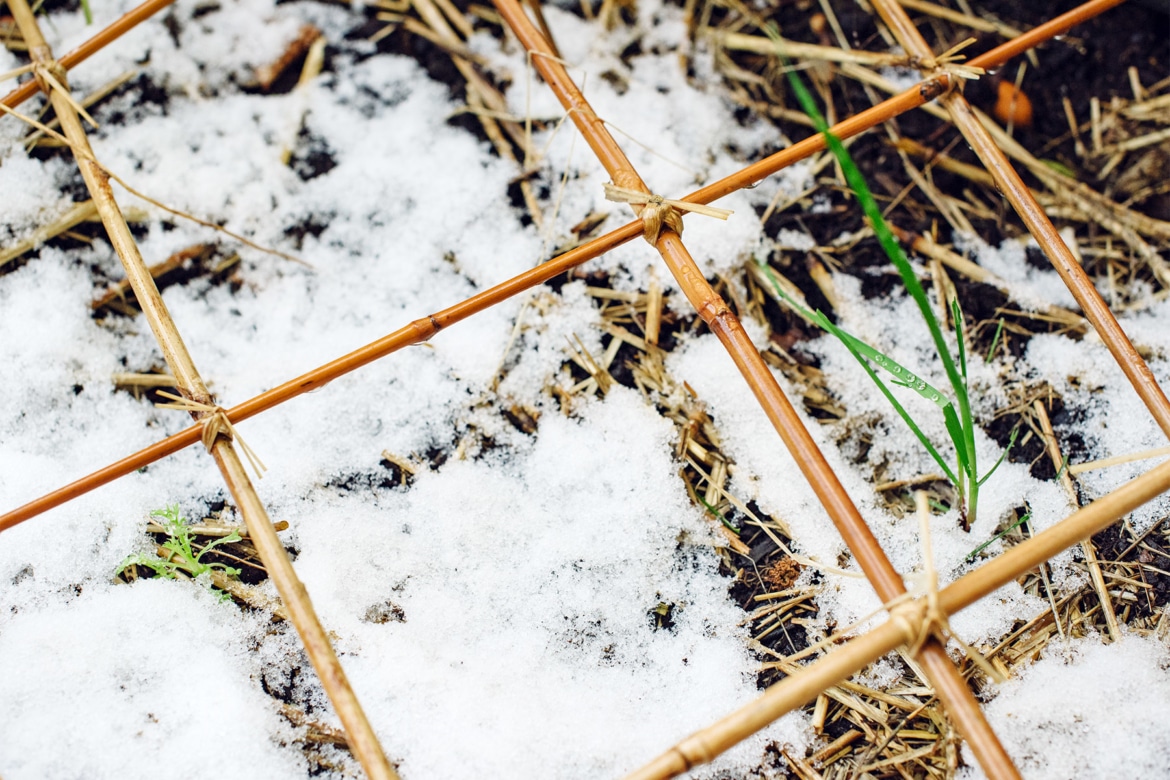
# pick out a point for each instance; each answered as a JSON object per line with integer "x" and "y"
{"x": 215, "y": 424}
{"x": 50, "y": 75}
{"x": 658, "y": 212}
{"x": 948, "y": 62}
{"x": 923, "y": 618}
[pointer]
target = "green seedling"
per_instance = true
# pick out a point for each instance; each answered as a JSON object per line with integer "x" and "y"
{"x": 716, "y": 513}
{"x": 183, "y": 558}
{"x": 994, "y": 341}
{"x": 971, "y": 555}
{"x": 959, "y": 422}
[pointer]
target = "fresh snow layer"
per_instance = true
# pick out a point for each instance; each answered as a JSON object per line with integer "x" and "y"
{"x": 1088, "y": 710}
{"x": 518, "y": 575}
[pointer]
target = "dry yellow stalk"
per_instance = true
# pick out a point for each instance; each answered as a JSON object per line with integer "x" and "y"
{"x": 77, "y": 214}
{"x": 1053, "y": 448}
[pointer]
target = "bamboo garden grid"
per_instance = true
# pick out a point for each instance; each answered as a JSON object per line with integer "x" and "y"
{"x": 911, "y": 624}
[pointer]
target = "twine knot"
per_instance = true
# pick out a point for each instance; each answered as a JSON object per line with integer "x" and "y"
{"x": 51, "y": 75}
{"x": 948, "y": 62}
{"x": 215, "y": 423}
{"x": 923, "y": 618}
{"x": 658, "y": 212}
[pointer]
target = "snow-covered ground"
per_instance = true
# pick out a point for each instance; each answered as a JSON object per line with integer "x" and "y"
{"x": 520, "y": 571}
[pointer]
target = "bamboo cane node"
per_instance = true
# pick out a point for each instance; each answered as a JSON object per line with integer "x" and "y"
{"x": 658, "y": 212}
{"x": 215, "y": 424}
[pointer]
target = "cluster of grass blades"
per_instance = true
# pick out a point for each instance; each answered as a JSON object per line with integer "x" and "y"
{"x": 182, "y": 558}
{"x": 959, "y": 422}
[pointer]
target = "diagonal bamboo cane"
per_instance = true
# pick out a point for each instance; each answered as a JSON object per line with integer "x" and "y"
{"x": 50, "y": 77}
{"x": 948, "y": 683}
{"x": 1012, "y": 186}
{"x": 799, "y": 689}
{"x": 119, "y": 27}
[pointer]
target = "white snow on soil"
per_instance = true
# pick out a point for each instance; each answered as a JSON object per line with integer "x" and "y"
{"x": 521, "y": 572}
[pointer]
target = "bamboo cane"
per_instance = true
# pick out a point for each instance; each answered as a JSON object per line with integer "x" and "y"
{"x": 50, "y": 77}
{"x": 1041, "y": 33}
{"x": 949, "y": 684}
{"x": 1012, "y": 186}
{"x": 799, "y": 689}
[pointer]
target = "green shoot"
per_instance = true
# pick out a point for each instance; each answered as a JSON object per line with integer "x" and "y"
{"x": 183, "y": 557}
{"x": 959, "y": 422}
{"x": 86, "y": 10}
{"x": 994, "y": 341}
{"x": 1061, "y": 470}
{"x": 716, "y": 513}
{"x": 971, "y": 555}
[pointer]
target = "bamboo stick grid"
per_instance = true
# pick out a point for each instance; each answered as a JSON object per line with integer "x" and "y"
{"x": 913, "y": 623}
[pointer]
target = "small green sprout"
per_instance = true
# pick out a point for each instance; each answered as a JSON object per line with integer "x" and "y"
{"x": 182, "y": 557}
{"x": 971, "y": 555}
{"x": 716, "y": 513}
{"x": 995, "y": 341}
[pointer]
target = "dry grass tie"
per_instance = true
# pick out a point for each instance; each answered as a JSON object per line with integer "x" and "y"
{"x": 215, "y": 423}
{"x": 658, "y": 212}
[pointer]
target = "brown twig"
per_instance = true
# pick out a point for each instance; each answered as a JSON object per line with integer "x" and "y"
{"x": 50, "y": 77}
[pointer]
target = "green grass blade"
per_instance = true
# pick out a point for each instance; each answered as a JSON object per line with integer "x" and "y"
{"x": 994, "y": 341}
{"x": 849, "y": 343}
{"x": 1004, "y": 454}
{"x": 885, "y": 237}
{"x": 902, "y": 376}
{"x": 971, "y": 555}
{"x": 961, "y": 336}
